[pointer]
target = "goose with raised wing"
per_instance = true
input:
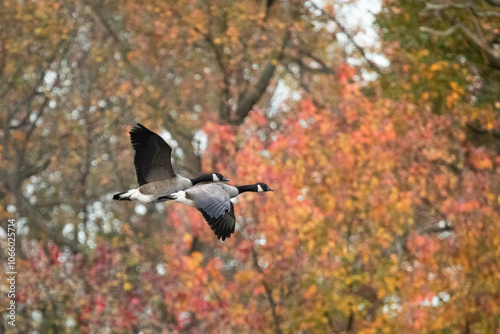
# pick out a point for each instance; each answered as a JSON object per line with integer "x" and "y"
{"x": 154, "y": 171}
{"x": 213, "y": 201}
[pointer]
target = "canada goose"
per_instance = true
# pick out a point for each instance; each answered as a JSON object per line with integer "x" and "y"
{"x": 154, "y": 171}
{"x": 213, "y": 201}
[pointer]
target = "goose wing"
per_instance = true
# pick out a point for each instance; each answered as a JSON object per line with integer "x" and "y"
{"x": 152, "y": 156}
{"x": 223, "y": 226}
{"x": 214, "y": 204}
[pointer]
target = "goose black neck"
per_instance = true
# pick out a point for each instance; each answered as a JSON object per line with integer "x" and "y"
{"x": 250, "y": 187}
{"x": 203, "y": 178}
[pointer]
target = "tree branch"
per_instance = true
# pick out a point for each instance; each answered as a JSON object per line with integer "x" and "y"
{"x": 40, "y": 221}
{"x": 495, "y": 3}
{"x": 248, "y": 98}
{"x": 269, "y": 294}
{"x": 477, "y": 38}
{"x": 219, "y": 59}
{"x": 349, "y": 37}
{"x": 441, "y": 33}
{"x": 442, "y": 6}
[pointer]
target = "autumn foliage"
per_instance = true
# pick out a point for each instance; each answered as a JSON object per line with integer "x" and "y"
{"x": 386, "y": 211}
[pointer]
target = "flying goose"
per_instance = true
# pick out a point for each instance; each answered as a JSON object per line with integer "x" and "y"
{"x": 213, "y": 201}
{"x": 154, "y": 171}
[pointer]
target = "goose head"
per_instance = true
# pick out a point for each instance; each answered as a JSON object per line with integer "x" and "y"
{"x": 212, "y": 177}
{"x": 218, "y": 177}
{"x": 262, "y": 187}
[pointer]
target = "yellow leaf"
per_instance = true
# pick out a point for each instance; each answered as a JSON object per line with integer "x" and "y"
{"x": 188, "y": 239}
{"x": 243, "y": 276}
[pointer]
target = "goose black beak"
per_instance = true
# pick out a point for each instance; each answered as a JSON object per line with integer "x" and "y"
{"x": 271, "y": 189}
{"x": 225, "y": 179}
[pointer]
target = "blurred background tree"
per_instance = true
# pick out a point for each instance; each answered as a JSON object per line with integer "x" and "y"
{"x": 447, "y": 55}
{"x": 380, "y": 137}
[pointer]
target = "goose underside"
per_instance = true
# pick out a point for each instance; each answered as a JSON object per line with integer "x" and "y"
{"x": 134, "y": 194}
{"x": 165, "y": 187}
{"x": 151, "y": 192}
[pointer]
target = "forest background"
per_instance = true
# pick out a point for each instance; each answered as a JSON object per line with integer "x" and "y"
{"x": 376, "y": 122}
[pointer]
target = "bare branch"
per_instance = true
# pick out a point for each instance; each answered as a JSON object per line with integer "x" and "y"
{"x": 477, "y": 37}
{"x": 350, "y": 38}
{"x": 253, "y": 94}
{"x": 3, "y": 56}
{"x": 219, "y": 59}
{"x": 495, "y": 3}
{"x": 40, "y": 220}
{"x": 474, "y": 38}
{"x": 488, "y": 13}
{"x": 441, "y": 33}
{"x": 442, "y": 6}
{"x": 269, "y": 294}
{"x": 478, "y": 41}
{"x": 105, "y": 18}
{"x": 477, "y": 23}
{"x": 323, "y": 68}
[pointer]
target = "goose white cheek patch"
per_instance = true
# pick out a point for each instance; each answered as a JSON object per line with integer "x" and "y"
{"x": 259, "y": 188}
{"x": 215, "y": 178}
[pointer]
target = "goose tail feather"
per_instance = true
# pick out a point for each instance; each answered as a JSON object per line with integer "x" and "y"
{"x": 167, "y": 198}
{"x": 124, "y": 196}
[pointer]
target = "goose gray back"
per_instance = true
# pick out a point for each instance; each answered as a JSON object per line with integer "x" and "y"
{"x": 213, "y": 201}
{"x": 154, "y": 171}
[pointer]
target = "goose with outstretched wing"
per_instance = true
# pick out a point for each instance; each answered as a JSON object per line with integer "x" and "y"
{"x": 213, "y": 201}
{"x": 154, "y": 171}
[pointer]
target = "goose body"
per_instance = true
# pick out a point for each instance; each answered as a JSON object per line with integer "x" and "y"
{"x": 213, "y": 200}
{"x": 154, "y": 171}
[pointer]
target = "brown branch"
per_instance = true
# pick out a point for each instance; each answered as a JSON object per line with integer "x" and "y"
{"x": 34, "y": 169}
{"x": 219, "y": 59}
{"x": 488, "y": 13}
{"x": 474, "y": 38}
{"x": 323, "y": 68}
{"x": 478, "y": 41}
{"x": 247, "y": 99}
{"x": 350, "y": 321}
{"x": 343, "y": 29}
{"x": 3, "y": 56}
{"x": 477, "y": 38}
{"x": 477, "y": 23}
{"x": 269, "y": 294}
{"x": 306, "y": 88}
{"x": 429, "y": 6}
{"x": 442, "y": 6}
{"x": 105, "y": 17}
{"x": 40, "y": 221}
{"x": 495, "y": 3}
{"x": 441, "y": 33}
